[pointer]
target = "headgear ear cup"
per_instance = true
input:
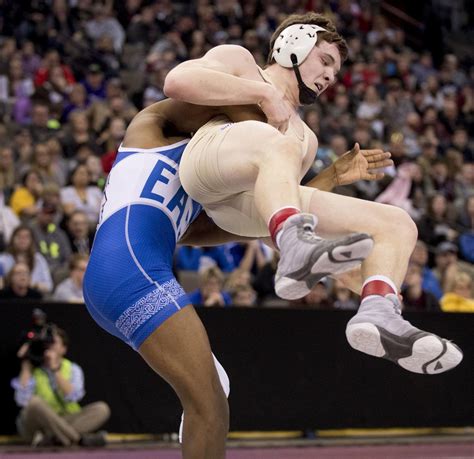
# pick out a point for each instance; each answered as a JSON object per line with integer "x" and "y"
{"x": 290, "y": 50}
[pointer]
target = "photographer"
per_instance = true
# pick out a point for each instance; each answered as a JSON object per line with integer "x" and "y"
{"x": 49, "y": 388}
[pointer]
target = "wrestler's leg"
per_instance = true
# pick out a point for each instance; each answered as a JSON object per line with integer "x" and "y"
{"x": 246, "y": 176}
{"x": 392, "y": 229}
{"x": 378, "y": 328}
{"x": 255, "y": 156}
{"x": 179, "y": 352}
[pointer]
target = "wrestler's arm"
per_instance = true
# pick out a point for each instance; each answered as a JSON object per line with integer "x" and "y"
{"x": 354, "y": 165}
{"x": 217, "y": 79}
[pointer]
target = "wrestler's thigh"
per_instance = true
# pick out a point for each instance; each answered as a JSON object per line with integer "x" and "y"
{"x": 339, "y": 215}
{"x": 180, "y": 353}
{"x": 244, "y": 149}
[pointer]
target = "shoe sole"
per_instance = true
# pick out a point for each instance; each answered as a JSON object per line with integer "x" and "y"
{"x": 422, "y": 353}
{"x": 332, "y": 262}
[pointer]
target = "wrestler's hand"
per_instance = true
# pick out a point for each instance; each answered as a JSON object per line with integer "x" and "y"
{"x": 277, "y": 109}
{"x": 359, "y": 164}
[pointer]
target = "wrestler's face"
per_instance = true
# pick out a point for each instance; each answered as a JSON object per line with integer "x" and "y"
{"x": 320, "y": 68}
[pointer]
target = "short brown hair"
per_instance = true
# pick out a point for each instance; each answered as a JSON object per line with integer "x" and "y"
{"x": 330, "y": 34}
{"x": 75, "y": 259}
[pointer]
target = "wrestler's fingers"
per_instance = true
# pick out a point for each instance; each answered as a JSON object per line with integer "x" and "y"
{"x": 376, "y": 155}
{"x": 379, "y": 164}
{"x": 373, "y": 177}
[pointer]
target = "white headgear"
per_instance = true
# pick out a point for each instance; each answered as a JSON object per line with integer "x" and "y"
{"x": 297, "y": 39}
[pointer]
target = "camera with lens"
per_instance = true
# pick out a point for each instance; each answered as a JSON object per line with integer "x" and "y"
{"x": 41, "y": 342}
{"x": 38, "y": 338}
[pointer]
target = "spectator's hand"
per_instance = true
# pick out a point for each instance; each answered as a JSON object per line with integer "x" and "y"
{"x": 359, "y": 164}
{"x": 215, "y": 299}
{"x": 23, "y": 350}
{"x": 276, "y": 109}
{"x": 52, "y": 359}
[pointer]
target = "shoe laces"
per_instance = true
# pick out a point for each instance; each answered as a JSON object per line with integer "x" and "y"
{"x": 395, "y": 302}
{"x": 309, "y": 234}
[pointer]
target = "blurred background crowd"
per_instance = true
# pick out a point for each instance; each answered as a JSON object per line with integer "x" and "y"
{"x": 73, "y": 73}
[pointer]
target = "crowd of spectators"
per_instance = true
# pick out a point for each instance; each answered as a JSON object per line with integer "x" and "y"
{"x": 74, "y": 73}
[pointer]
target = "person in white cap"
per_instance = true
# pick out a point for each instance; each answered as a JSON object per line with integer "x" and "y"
{"x": 246, "y": 176}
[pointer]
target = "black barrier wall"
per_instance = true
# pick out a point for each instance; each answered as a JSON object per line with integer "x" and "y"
{"x": 289, "y": 370}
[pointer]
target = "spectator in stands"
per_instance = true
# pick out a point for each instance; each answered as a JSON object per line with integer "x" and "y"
{"x": 79, "y": 233}
{"x": 110, "y": 140}
{"x": 197, "y": 258}
{"x": 18, "y": 284}
{"x": 264, "y": 282}
{"x": 22, "y": 249}
{"x": 23, "y": 149}
{"x": 239, "y": 277}
{"x": 414, "y": 296}
{"x": 103, "y": 23}
{"x": 58, "y": 162}
{"x": 51, "y": 240}
{"x": 342, "y": 297}
{"x": 115, "y": 104}
{"x": 79, "y": 195}
{"x": 428, "y": 154}
{"x": 250, "y": 256}
{"x": 70, "y": 289}
{"x": 78, "y": 134}
{"x": 466, "y": 225}
{"x": 77, "y": 100}
{"x": 460, "y": 298}
{"x": 42, "y": 162}
{"x": 430, "y": 282}
{"x": 464, "y": 186}
{"x": 96, "y": 172}
{"x": 404, "y": 190}
{"x": 210, "y": 292}
{"x": 317, "y": 298}
{"x": 51, "y": 60}
{"x": 94, "y": 83}
{"x": 21, "y": 89}
{"x": 40, "y": 128}
{"x": 7, "y": 172}
{"x": 244, "y": 295}
{"x": 31, "y": 60}
{"x": 52, "y": 195}
{"x": 48, "y": 393}
{"x": 439, "y": 180}
{"x": 448, "y": 265}
{"x": 8, "y": 222}
{"x": 437, "y": 225}
{"x": 24, "y": 200}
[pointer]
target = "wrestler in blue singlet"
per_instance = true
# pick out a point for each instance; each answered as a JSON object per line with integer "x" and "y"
{"x": 129, "y": 286}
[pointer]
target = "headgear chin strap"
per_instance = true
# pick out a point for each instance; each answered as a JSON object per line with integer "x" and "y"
{"x": 290, "y": 50}
{"x": 307, "y": 96}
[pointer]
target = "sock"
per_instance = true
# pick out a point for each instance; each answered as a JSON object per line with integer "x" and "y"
{"x": 377, "y": 285}
{"x": 276, "y": 221}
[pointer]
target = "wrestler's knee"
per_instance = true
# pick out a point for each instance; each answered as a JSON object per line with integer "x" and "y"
{"x": 399, "y": 224}
{"x": 211, "y": 408}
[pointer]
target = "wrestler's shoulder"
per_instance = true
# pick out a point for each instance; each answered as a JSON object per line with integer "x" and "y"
{"x": 235, "y": 57}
